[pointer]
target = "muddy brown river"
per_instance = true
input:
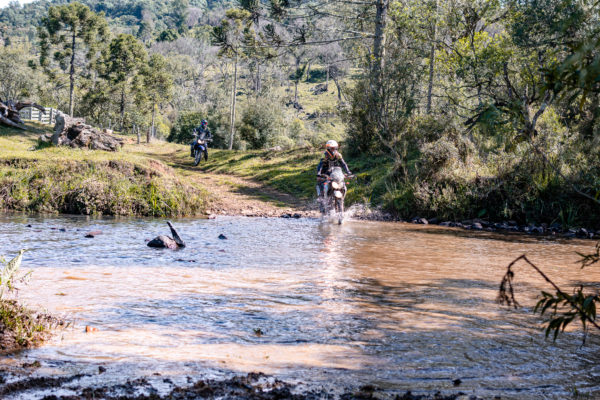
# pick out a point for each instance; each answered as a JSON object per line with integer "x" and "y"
{"x": 398, "y": 306}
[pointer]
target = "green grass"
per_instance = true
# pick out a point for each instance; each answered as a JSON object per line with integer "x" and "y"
{"x": 294, "y": 171}
{"x": 79, "y": 181}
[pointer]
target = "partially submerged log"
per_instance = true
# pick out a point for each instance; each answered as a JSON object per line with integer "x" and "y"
{"x": 9, "y": 112}
{"x": 163, "y": 241}
{"x": 75, "y": 133}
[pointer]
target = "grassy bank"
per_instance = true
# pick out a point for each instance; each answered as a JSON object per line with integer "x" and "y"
{"x": 453, "y": 193}
{"x": 293, "y": 171}
{"x": 65, "y": 180}
{"x": 159, "y": 179}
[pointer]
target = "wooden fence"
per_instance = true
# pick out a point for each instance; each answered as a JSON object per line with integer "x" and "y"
{"x": 33, "y": 114}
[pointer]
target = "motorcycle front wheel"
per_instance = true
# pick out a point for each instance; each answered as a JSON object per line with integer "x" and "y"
{"x": 339, "y": 208}
{"x": 197, "y": 157}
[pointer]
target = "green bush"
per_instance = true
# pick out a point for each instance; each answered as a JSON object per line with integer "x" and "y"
{"x": 260, "y": 125}
{"x": 181, "y": 132}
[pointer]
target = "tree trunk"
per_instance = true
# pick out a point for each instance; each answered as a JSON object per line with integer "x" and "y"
{"x": 378, "y": 66}
{"x": 295, "y": 92}
{"x": 72, "y": 74}
{"x": 430, "y": 85}
{"x": 380, "y": 40}
{"x": 432, "y": 61}
{"x": 122, "y": 107}
{"x": 151, "y": 131}
{"x": 339, "y": 89}
{"x": 258, "y": 78}
{"x": 233, "y": 97}
{"x": 327, "y": 80}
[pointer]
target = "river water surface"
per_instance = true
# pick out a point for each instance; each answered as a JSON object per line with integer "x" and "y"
{"x": 399, "y": 306}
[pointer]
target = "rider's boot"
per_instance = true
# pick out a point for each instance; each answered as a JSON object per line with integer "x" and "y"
{"x": 321, "y": 201}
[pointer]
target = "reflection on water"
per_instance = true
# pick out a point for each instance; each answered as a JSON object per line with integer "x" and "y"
{"x": 395, "y": 305}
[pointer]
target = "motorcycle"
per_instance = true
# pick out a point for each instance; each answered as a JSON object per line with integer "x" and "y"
{"x": 200, "y": 146}
{"x": 334, "y": 193}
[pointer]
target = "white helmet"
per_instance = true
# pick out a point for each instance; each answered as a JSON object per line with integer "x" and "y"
{"x": 331, "y": 145}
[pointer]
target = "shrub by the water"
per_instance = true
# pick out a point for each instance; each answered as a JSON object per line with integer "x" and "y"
{"x": 20, "y": 327}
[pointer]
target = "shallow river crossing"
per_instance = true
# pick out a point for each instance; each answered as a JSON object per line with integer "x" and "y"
{"x": 399, "y": 306}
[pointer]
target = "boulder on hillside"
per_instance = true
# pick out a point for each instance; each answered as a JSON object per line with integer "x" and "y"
{"x": 74, "y": 132}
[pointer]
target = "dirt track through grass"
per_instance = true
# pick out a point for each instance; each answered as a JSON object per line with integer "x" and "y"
{"x": 236, "y": 195}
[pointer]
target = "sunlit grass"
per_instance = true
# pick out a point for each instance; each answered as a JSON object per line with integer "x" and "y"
{"x": 61, "y": 179}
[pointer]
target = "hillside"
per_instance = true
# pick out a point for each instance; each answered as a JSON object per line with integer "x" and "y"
{"x": 123, "y": 14}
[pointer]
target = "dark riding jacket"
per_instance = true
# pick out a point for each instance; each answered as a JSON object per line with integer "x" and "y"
{"x": 329, "y": 161}
{"x": 203, "y": 133}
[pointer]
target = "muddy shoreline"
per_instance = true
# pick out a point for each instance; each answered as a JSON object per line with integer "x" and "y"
{"x": 253, "y": 386}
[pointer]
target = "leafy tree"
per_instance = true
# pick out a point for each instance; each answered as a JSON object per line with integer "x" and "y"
{"x": 122, "y": 64}
{"x": 181, "y": 131}
{"x": 296, "y": 77}
{"x": 158, "y": 84}
{"x": 259, "y": 125}
{"x": 230, "y": 36}
{"x": 168, "y": 35}
{"x": 16, "y": 79}
{"x": 74, "y": 32}
{"x": 180, "y": 15}
{"x": 147, "y": 26}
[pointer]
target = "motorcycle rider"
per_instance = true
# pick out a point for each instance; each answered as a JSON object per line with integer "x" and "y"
{"x": 203, "y": 133}
{"x": 332, "y": 158}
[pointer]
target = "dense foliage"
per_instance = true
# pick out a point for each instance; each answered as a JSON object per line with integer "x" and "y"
{"x": 484, "y": 108}
{"x": 489, "y": 109}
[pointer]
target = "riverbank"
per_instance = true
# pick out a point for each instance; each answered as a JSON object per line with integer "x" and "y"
{"x": 74, "y": 181}
{"x": 463, "y": 202}
{"x": 159, "y": 179}
{"x": 253, "y": 386}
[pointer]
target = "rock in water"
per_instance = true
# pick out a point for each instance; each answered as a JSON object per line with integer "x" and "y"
{"x": 93, "y": 234}
{"x": 176, "y": 237}
{"x": 163, "y": 242}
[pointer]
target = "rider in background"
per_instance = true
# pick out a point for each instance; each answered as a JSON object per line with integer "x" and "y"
{"x": 203, "y": 133}
{"x": 332, "y": 158}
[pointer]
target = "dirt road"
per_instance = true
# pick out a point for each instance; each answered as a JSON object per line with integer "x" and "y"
{"x": 235, "y": 195}
{"x": 232, "y": 195}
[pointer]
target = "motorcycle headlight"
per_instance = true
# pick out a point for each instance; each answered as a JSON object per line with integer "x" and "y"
{"x": 336, "y": 185}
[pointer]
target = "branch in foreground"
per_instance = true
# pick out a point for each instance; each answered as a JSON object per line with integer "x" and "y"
{"x": 564, "y": 307}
